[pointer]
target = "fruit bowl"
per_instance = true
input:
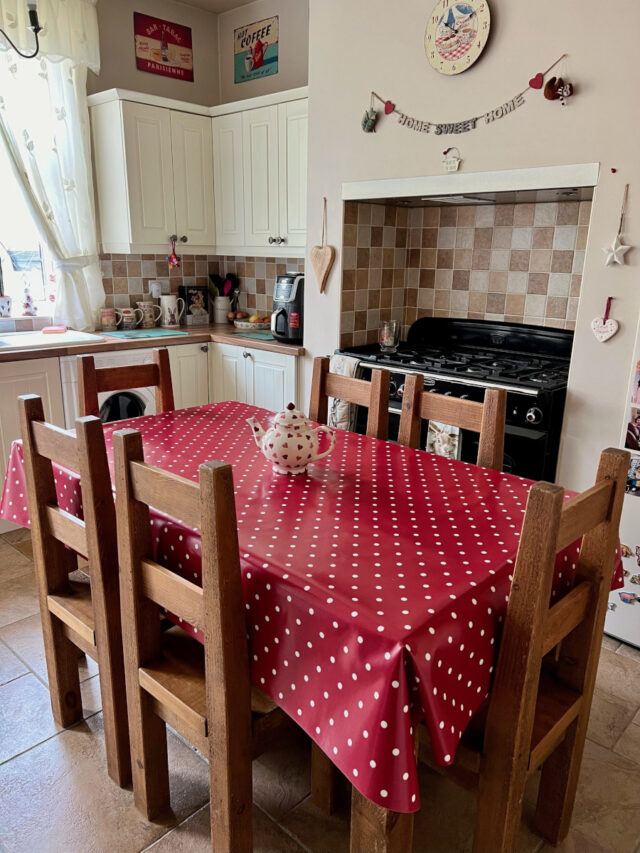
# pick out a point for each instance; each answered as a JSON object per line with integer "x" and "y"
{"x": 246, "y": 325}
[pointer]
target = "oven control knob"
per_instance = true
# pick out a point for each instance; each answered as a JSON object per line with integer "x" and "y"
{"x": 393, "y": 388}
{"x": 534, "y": 415}
{"x": 464, "y": 396}
{"x": 400, "y": 391}
{"x": 447, "y": 393}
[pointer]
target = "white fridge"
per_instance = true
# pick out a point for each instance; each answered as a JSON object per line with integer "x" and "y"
{"x": 623, "y": 616}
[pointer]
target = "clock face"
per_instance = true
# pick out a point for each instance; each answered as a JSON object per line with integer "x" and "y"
{"x": 456, "y": 35}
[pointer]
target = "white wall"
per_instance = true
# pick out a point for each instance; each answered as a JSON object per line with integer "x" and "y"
{"x": 362, "y": 45}
{"x": 293, "y": 48}
{"x": 115, "y": 20}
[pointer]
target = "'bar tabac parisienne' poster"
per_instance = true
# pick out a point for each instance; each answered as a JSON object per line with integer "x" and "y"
{"x": 163, "y": 47}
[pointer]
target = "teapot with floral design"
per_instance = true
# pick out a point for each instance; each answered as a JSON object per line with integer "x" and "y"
{"x": 291, "y": 443}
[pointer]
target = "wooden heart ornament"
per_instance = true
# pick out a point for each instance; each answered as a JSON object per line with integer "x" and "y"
{"x": 389, "y": 107}
{"x": 536, "y": 81}
{"x": 604, "y": 329}
{"x": 322, "y": 258}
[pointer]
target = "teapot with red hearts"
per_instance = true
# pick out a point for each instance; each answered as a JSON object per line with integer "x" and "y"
{"x": 291, "y": 443}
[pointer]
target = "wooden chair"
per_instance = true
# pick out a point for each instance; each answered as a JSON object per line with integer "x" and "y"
{"x": 538, "y": 709}
{"x": 204, "y": 692}
{"x": 77, "y": 615}
{"x": 486, "y": 418}
{"x": 373, "y": 395}
{"x": 92, "y": 381}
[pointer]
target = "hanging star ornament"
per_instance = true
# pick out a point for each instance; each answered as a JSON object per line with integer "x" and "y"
{"x": 616, "y": 252}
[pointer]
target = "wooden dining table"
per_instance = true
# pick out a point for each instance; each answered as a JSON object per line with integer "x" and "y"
{"x": 375, "y": 584}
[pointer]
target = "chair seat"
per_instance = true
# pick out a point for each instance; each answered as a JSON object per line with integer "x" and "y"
{"x": 75, "y": 609}
{"x": 177, "y": 681}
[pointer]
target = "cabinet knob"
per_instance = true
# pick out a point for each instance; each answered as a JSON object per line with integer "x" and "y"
{"x": 281, "y": 240}
{"x": 246, "y": 354}
{"x": 184, "y": 239}
{"x": 204, "y": 348}
{"x": 272, "y": 240}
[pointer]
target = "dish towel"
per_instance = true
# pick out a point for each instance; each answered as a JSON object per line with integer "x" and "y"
{"x": 341, "y": 413}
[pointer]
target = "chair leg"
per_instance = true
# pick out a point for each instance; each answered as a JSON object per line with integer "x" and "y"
{"x": 62, "y": 671}
{"x": 377, "y": 830}
{"x": 499, "y": 810}
{"x": 114, "y": 714}
{"x": 231, "y": 807}
{"x": 324, "y": 780}
{"x": 149, "y": 760}
{"x": 558, "y": 784}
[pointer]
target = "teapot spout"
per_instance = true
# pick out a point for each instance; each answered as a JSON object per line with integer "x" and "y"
{"x": 258, "y": 431}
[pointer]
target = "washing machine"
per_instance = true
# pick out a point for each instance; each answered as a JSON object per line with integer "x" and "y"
{"x": 114, "y": 405}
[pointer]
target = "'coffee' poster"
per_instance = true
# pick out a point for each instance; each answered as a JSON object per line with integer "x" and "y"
{"x": 162, "y": 47}
{"x": 256, "y": 50}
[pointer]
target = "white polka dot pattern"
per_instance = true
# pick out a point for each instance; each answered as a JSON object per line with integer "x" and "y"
{"x": 374, "y": 586}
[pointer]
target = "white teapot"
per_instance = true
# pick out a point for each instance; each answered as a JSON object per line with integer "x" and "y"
{"x": 291, "y": 443}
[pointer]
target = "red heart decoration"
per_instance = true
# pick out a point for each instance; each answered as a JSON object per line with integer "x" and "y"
{"x": 299, "y": 447}
{"x": 389, "y": 107}
{"x": 537, "y": 81}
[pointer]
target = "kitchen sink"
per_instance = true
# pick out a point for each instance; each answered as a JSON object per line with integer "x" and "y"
{"x": 27, "y": 340}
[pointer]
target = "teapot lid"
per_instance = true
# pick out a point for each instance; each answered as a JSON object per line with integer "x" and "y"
{"x": 290, "y": 417}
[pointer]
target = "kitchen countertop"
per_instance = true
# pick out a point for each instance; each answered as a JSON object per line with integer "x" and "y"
{"x": 221, "y": 333}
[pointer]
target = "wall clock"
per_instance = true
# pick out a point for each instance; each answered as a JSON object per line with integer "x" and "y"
{"x": 456, "y": 34}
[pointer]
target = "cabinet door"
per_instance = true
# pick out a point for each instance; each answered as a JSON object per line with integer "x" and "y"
{"x": 227, "y": 373}
{"x": 147, "y": 136}
{"x": 260, "y": 153}
{"x": 39, "y": 376}
{"x": 190, "y": 374}
{"x": 293, "y": 121}
{"x": 228, "y": 180}
{"x": 192, "y": 153}
{"x": 271, "y": 379}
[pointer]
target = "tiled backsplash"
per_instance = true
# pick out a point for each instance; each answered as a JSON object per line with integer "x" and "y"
{"x": 519, "y": 263}
{"x": 126, "y": 277}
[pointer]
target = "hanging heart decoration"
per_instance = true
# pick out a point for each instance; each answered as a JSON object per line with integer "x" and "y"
{"x": 322, "y": 257}
{"x": 536, "y": 81}
{"x": 605, "y": 327}
{"x": 389, "y": 107}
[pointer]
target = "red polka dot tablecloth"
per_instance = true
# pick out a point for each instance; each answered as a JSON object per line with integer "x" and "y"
{"x": 374, "y": 585}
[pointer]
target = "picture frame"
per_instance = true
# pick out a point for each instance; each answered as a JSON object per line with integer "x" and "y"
{"x": 196, "y": 304}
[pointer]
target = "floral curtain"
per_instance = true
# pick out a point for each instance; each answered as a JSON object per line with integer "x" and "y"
{"x": 44, "y": 125}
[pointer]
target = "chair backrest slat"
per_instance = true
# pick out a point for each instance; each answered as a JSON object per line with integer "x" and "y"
{"x": 487, "y": 418}
{"x": 92, "y": 381}
{"x": 174, "y": 593}
{"x": 584, "y": 512}
{"x": 373, "y": 395}
{"x": 68, "y": 529}
{"x": 166, "y": 492}
{"x": 55, "y": 444}
{"x": 564, "y": 616}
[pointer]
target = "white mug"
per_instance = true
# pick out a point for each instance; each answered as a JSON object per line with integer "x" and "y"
{"x": 171, "y": 312}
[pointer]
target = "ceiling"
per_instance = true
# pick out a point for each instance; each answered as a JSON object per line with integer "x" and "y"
{"x": 216, "y": 5}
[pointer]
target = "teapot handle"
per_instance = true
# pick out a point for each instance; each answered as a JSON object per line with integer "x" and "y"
{"x": 332, "y": 436}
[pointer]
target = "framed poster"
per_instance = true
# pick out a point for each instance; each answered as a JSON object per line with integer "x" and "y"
{"x": 255, "y": 51}
{"x": 163, "y": 47}
{"x": 196, "y": 304}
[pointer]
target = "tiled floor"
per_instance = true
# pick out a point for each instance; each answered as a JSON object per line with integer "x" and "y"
{"x": 56, "y": 797}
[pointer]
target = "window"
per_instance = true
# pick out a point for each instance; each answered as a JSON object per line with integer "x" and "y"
{"x": 24, "y": 260}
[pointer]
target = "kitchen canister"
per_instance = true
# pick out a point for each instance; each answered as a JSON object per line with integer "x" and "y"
{"x": 221, "y": 307}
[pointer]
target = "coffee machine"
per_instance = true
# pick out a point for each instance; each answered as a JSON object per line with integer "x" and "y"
{"x": 288, "y": 299}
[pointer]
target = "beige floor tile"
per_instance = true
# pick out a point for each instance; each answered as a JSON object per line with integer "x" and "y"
{"x": 58, "y": 797}
{"x": 25, "y": 715}
{"x": 282, "y": 776}
{"x": 194, "y": 836}
{"x": 317, "y": 831}
{"x": 619, "y": 676}
{"x": 609, "y": 718}
{"x": 25, "y": 639}
{"x": 20, "y": 534}
{"x": 610, "y": 643}
{"x": 12, "y": 562}
{"x": 628, "y": 651}
{"x": 10, "y": 666}
{"x": 25, "y": 548}
{"x": 629, "y": 746}
{"x": 18, "y": 596}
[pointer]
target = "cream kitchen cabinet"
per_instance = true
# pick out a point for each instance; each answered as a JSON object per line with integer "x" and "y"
{"x": 190, "y": 374}
{"x": 260, "y": 176}
{"x": 39, "y": 376}
{"x": 154, "y": 177}
{"x": 258, "y": 377}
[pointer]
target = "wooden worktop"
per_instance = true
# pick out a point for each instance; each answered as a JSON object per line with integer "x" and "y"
{"x": 218, "y": 332}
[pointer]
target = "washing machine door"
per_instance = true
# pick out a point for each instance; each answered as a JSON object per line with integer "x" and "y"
{"x": 121, "y": 405}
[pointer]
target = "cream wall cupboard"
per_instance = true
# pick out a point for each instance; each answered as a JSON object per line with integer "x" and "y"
{"x": 258, "y": 377}
{"x": 33, "y": 376}
{"x": 154, "y": 177}
{"x": 229, "y": 180}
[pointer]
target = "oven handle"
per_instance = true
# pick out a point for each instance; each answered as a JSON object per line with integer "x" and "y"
{"x": 456, "y": 380}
